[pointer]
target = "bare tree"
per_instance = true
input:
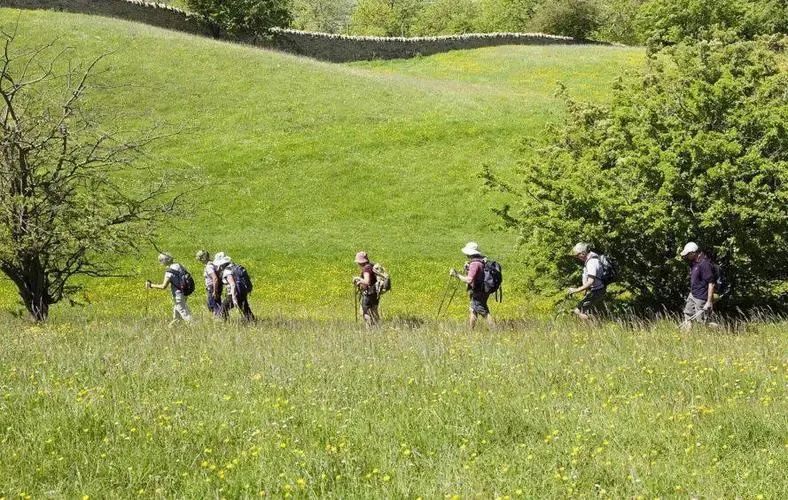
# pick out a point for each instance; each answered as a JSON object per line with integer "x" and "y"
{"x": 70, "y": 191}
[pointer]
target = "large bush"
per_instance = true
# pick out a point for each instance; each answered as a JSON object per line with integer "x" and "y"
{"x": 244, "y": 18}
{"x": 695, "y": 148}
{"x": 575, "y": 18}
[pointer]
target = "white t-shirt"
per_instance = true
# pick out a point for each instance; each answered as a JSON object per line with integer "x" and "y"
{"x": 593, "y": 268}
{"x": 228, "y": 271}
{"x": 209, "y": 270}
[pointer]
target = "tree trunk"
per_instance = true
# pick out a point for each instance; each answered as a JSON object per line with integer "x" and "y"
{"x": 32, "y": 284}
{"x": 37, "y": 305}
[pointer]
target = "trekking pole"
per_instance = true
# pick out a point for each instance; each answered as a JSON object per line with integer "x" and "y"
{"x": 453, "y": 293}
{"x": 355, "y": 302}
{"x": 443, "y": 300}
{"x": 692, "y": 318}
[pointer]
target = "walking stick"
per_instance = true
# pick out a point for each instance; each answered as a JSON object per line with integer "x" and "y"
{"x": 443, "y": 300}
{"x": 451, "y": 298}
{"x": 355, "y": 302}
{"x": 692, "y": 318}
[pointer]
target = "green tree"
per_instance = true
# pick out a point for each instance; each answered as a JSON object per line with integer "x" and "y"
{"x": 505, "y": 15}
{"x": 575, "y": 18}
{"x": 617, "y": 21}
{"x": 385, "y": 17}
{"x": 695, "y": 148}
{"x": 244, "y": 18}
{"x": 67, "y": 200}
{"x": 447, "y": 17}
{"x": 328, "y": 16}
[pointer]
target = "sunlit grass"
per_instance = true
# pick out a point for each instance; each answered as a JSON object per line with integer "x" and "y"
{"x": 536, "y": 410}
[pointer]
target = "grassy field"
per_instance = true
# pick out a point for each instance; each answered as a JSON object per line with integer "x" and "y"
{"x": 299, "y": 165}
{"x": 295, "y": 409}
{"x": 303, "y": 163}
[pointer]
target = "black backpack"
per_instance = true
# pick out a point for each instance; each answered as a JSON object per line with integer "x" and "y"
{"x": 243, "y": 283}
{"x": 186, "y": 281}
{"x": 609, "y": 269}
{"x": 721, "y": 284}
{"x": 493, "y": 277}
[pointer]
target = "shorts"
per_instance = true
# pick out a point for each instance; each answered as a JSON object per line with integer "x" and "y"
{"x": 479, "y": 304}
{"x": 591, "y": 301}
{"x": 369, "y": 301}
{"x": 693, "y": 307}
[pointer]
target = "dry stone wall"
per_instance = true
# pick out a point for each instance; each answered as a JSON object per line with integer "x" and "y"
{"x": 154, "y": 14}
{"x": 323, "y": 46}
{"x": 342, "y": 48}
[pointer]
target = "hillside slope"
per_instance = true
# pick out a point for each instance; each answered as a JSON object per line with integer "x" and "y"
{"x": 302, "y": 163}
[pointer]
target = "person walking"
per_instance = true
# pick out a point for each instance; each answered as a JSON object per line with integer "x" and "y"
{"x": 213, "y": 283}
{"x": 366, "y": 285}
{"x": 700, "y": 301}
{"x": 592, "y": 284}
{"x": 474, "y": 279}
{"x": 238, "y": 285}
{"x": 175, "y": 277}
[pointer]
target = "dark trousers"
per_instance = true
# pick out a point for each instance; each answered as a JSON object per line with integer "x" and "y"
{"x": 243, "y": 305}
{"x": 214, "y": 305}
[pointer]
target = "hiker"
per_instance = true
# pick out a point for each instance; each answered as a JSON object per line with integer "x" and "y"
{"x": 700, "y": 301}
{"x": 238, "y": 285}
{"x": 367, "y": 287}
{"x": 176, "y": 277}
{"x": 475, "y": 281}
{"x": 213, "y": 283}
{"x": 592, "y": 283}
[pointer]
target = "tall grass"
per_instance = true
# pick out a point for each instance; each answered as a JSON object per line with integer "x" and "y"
{"x": 296, "y": 408}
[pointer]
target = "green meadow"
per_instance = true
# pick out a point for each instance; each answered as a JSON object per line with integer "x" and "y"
{"x": 292, "y": 409}
{"x": 298, "y": 164}
{"x": 293, "y": 165}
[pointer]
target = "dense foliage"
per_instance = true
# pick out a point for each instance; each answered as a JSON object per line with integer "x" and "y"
{"x": 696, "y": 148}
{"x": 244, "y": 18}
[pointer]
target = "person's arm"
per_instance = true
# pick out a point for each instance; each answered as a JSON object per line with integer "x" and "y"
{"x": 710, "y": 297}
{"x": 232, "y": 291}
{"x": 366, "y": 280}
{"x": 163, "y": 285}
{"x": 586, "y": 286}
{"x": 472, "y": 270}
{"x": 214, "y": 284}
{"x": 465, "y": 279}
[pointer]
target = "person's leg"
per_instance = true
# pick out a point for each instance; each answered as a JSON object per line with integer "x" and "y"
{"x": 243, "y": 304}
{"x": 369, "y": 308}
{"x": 689, "y": 308}
{"x": 181, "y": 307}
{"x": 472, "y": 319}
{"x": 227, "y": 304}
{"x": 581, "y": 311}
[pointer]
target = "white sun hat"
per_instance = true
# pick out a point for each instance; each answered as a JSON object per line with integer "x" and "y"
{"x": 220, "y": 259}
{"x": 689, "y": 248}
{"x": 471, "y": 248}
{"x": 581, "y": 248}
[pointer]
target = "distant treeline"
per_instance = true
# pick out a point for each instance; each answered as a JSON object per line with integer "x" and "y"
{"x": 651, "y": 22}
{"x": 625, "y": 21}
